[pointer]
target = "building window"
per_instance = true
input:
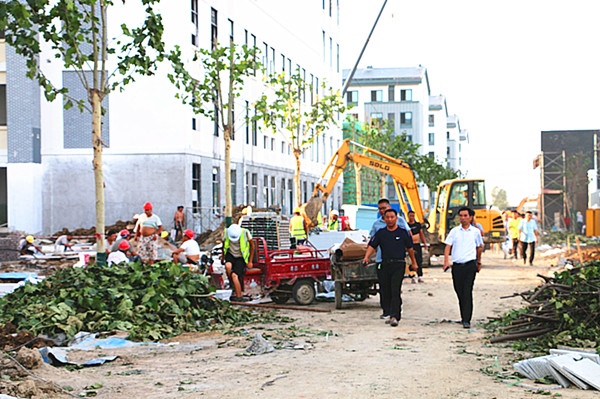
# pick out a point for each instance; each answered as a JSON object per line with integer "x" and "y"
{"x": 305, "y": 192}
{"x": 355, "y": 116}
{"x": 391, "y": 93}
{"x": 376, "y": 118}
{"x": 213, "y": 29}
{"x": 253, "y": 52}
{"x": 193, "y": 121}
{"x": 352, "y": 97}
{"x": 247, "y": 123}
{"x": 195, "y": 22}
{"x": 254, "y": 130}
{"x": 324, "y": 58}
{"x": 312, "y": 80}
{"x": 282, "y": 196}
{"x": 266, "y": 191}
{"x": 431, "y": 138}
{"x": 291, "y": 193}
{"x": 431, "y": 120}
{"x": 196, "y": 188}
{"x": 283, "y": 64}
{"x": 330, "y": 52}
{"x": 392, "y": 121}
{"x": 215, "y": 189}
{"x": 272, "y": 191}
{"x": 265, "y": 139}
{"x": 338, "y": 58}
{"x": 254, "y": 189}
{"x": 330, "y": 7}
{"x": 230, "y": 29}
{"x": 233, "y": 186}
{"x": 216, "y": 121}
{"x": 376, "y": 96}
{"x": 406, "y": 95}
{"x": 447, "y": 135}
{"x": 272, "y": 66}
{"x": 232, "y": 127}
{"x": 272, "y": 144}
{"x": 265, "y": 59}
{"x": 406, "y": 119}
{"x": 246, "y": 37}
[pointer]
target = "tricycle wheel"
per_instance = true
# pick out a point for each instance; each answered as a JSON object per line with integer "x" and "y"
{"x": 339, "y": 292}
{"x": 303, "y": 292}
{"x": 279, "y": 297}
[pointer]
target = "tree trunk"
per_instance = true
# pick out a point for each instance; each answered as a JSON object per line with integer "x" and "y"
{"x": 228, "y": 207}
{"x": 98, "y": 175}
{"x": 227, "y": 135}
{"x": 297, "y": 177}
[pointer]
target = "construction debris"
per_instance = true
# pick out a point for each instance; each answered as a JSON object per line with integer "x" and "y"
{"x": 259, "y": 345}
{"x": 564, "y": 310}
{"x": 118, "y": 226}
{"x": 566, "y": 367}
{"x": 216, "y": 236}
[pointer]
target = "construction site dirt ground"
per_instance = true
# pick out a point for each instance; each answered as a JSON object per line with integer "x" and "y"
{"x": 354, "y": 354}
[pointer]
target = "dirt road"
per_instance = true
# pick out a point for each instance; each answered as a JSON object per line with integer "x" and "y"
{"x": 354, "y": 354}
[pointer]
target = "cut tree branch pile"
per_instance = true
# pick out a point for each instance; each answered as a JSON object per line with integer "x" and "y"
{"x": 564, "y": 310}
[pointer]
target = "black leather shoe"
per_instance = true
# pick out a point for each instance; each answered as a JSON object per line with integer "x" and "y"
{"x": 466, "y": 324}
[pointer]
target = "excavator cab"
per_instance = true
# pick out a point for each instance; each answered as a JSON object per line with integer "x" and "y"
{"x": 453, "y": 195}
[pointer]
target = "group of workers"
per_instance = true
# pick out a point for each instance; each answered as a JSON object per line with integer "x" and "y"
{"x": 393, "y": 238}
{"x": 299, "y": 228}
{"x": 523, "y": 232}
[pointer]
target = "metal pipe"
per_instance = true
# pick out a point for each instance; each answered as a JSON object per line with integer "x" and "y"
{"x": 345, "y": 89}
{"x": 268, "y": 305}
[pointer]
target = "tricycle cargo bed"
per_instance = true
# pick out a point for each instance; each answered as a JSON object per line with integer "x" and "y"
{"x": 344, "y": 271}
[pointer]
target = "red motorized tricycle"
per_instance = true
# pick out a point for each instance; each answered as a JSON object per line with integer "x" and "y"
{"x": 285, "y": 274}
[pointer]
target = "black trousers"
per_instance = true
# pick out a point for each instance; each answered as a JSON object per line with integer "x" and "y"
{"x": 516, "y": 247}
{"x": 419, "y": 258}
{"x": 524, "y": 246}
{"x": 390, "y": 283}
{"x": 382, "y": 300}
{"x": 463, "y": 278}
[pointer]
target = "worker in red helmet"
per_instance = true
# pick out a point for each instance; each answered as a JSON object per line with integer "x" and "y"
{"x": 189, "y": 251}
{"x": 147, "y": 232}
{"x": 120, "y": 255}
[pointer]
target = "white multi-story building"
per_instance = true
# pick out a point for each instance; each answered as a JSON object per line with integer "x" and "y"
{"x": 403, "y": 96}
{"x": 157, "y": 149}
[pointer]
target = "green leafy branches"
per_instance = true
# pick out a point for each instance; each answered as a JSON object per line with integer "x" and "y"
{"x": 151, "y": 302}
{"x": 285, "y": 110}
{"x": 77, "y": 33}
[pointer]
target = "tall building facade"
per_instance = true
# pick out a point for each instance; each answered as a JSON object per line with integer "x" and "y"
{"x": 403, "y": 97}
{"x": 157, "y": 149}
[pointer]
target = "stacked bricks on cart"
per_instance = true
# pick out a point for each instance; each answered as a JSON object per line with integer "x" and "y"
{"x": 270, "y": 226}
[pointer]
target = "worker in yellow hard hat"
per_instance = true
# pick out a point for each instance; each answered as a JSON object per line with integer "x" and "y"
{"x": 27, "y": 247}
{"x": 298, "y": 227}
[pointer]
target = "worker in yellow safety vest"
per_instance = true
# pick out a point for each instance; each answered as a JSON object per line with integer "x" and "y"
{"x": 238, "y": 252}
{"x": 320, "y": 221}
{"x": 333, "y": 220}
{"x": 298, "y": 227}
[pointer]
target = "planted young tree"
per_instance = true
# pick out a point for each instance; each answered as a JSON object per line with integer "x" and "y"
{"x": 224, "y": 69}
{"x": 286, "y": 112}
{"x": 77, "y": 32}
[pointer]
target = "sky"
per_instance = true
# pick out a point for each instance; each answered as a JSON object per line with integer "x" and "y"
{"x": 508, "y": 69}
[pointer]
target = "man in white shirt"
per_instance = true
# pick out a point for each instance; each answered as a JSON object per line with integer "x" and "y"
{"x": 466, "y": 244}
{"x": 189, "y": 251}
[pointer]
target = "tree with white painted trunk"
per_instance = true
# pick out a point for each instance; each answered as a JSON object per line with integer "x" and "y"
{"x": 224, "y": 71}
{"x": 77, "y": 32}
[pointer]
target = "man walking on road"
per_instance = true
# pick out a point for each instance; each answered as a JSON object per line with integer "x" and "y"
{"x": 513, "y": 231}
{"x": 383, "y": 205}
{"x": 418, "y": 237}
{"x": 528, "y": 233}
{"x": 466, "y": 244}
{"x": 394, "y": 243}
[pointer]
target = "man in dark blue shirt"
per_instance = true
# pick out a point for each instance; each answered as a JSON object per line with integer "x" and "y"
{"x": 395, "y": 243}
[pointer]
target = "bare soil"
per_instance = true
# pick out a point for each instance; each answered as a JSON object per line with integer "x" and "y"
{"x": 354, "y": 354}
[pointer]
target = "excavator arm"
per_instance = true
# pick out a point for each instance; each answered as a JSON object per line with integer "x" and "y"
{"x": 398, "y": 170}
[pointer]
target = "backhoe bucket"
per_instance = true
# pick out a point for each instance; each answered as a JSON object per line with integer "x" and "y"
{"x": 310, "y": 211}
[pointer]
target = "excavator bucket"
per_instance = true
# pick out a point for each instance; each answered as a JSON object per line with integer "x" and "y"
{"x": 310, "y": 211}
